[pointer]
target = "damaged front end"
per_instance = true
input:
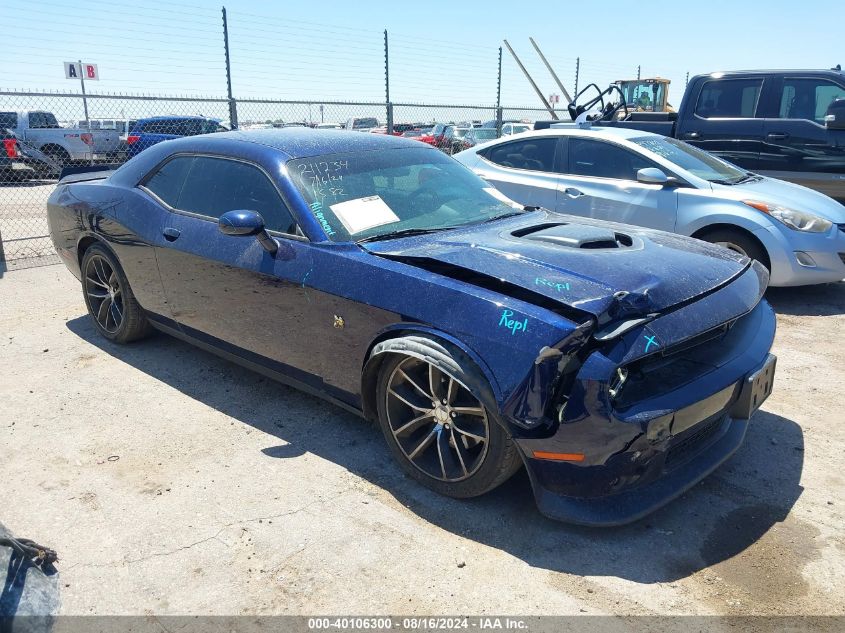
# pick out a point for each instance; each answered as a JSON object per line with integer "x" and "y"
{"x": 662, "y": 357}
{"x": 635, "y": 420}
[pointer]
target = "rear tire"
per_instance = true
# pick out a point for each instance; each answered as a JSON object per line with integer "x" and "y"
{"x": 59, "y": 155}
{"x": 740, "y": 242}
{"x": 109, "y": 298}
{"x": 438, "y": 430}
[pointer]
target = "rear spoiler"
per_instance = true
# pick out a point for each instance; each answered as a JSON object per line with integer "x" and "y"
{"x": 95, "y": 172}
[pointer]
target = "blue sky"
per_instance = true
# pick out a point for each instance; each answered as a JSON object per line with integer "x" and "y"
{"x": 441, "y": 52}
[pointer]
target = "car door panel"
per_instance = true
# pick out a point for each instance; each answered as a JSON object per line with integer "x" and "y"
{"x": 623, "y": 201}
{"x": 798, "y": 147}
{"x": 598, "y": 181}
{"x": 723, "y": 120}
{"x": 523, "y": 170}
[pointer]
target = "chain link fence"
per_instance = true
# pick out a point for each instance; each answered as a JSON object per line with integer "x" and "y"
{"x": 45, "y": 132}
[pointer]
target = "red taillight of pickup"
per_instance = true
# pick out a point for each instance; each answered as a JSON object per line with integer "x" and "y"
{"x": 11, "y": 147}
{"x": 132, "y": 139}
{"x": 87, "y": 138}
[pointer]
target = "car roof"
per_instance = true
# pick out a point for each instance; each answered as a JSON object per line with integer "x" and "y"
{"x": 298, "y": 142}
{"x": 793, "y": 72}
{"x": 620, "y": 133}
{"x": 187, "y": 117}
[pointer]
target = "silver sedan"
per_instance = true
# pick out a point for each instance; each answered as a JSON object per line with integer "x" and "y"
{"x": 658, "y": 182}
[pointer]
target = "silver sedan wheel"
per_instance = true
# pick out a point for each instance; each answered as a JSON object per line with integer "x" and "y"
{"x": 736, "y": 248}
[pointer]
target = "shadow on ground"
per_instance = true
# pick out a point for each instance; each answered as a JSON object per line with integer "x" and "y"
{"x": 715, "y": 521}
{"x": 821, "y": 300}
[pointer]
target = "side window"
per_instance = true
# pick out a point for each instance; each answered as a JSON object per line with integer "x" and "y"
{"x": 808, "y": 98}
{"x": 40, "y": 120}
{"x": 216, "y": 185}
{"x": 167, "y": 182}
{"x": 8, "y": 119}
{"x": 729, "y": 99}
{"x": 536, "y": 154}
{"x": 604, "y": 160}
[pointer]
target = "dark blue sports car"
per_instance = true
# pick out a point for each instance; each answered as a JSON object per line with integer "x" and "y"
{"x": 619, "y": 365}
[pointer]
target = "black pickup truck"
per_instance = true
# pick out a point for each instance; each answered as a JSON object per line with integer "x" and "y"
{"x": 788, "y": 124}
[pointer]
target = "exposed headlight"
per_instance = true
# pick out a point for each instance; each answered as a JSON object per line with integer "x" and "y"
{"x": 798, "y": 220}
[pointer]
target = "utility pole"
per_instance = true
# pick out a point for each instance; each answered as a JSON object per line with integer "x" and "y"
{"x": 233, "y": 108}
{"x": 551, "y": 70}
{"x": 387, "y": 85}
{"x": 638, "y": 72}
{"x": 499, "y": 97}
{"x": 533, "y": 85}
{"x": 687, "y": 81}
{"x": 85, "y": 106}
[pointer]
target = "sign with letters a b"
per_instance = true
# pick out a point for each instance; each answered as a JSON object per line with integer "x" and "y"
{"x": 88, "y": 72}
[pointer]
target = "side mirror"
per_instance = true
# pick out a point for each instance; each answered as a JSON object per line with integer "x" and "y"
{"x": 835, "y": 117}
{"x": 247, "y": 223}
{"x": 653, "y": 176}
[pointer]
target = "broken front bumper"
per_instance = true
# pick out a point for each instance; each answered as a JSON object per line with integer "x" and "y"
{"x": 604, "y": 467}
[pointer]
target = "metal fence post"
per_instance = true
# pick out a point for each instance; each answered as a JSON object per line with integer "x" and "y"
{"x": 499, "y": 97}
{"x": 577, "y": 73}
{"x": 387, "y": 103}
{"x": 233, "y": 106}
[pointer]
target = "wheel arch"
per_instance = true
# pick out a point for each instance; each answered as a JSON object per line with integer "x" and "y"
{"x": 87, "y": 241}
{"x": 702, "y": 232}
{"x": 48, "y": 146}
{"x": 415, "y": 340}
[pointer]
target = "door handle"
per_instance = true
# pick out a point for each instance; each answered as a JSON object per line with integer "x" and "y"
{"x": 692, "y": 135}
{"x": 171, "y": 234}
{"x": 777, "y": 136}
{"x": 572, "y": 192}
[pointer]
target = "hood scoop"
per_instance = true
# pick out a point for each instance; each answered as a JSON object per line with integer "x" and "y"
{"x": 576, "y": 236}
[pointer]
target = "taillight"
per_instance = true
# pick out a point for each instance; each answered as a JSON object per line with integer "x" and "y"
{"x": 87, "y": 138}
{"x": 11, "y": 147}
{"x": 132, "y": 139}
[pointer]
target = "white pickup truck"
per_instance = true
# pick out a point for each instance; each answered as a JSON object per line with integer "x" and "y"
{"x": 42, "y": 131}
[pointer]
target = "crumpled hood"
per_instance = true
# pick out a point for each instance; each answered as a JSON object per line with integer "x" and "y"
{"x": 570, "y": 260}
{"x": 787, "y": 194}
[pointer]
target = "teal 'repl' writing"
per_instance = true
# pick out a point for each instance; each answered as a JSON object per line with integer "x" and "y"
{"x": 540, "y": 281}
{"x": 514, "y": 325}
{"x": 317, "y": 209}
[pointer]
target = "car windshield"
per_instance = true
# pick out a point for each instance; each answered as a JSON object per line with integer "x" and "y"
{"x": 694, "y": 160}
{"x": 366, "y": 195}
{"x": 517, "y": 129}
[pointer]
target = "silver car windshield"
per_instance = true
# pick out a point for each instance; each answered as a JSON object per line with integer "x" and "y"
{"x": 694, "y": 160}
{"x": 377, "y": 194}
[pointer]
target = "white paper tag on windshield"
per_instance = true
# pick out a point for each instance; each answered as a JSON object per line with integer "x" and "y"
{"x": 363, "y": 213}
{"x": 502, "y": 197}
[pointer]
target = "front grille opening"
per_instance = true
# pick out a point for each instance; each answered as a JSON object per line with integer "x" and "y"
{"x": 674, "y": 367}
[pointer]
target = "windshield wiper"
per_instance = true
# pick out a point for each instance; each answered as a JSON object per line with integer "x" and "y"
{"x": 748, "y": 177}
{"x": 508, "y": 215}
{"x": 403, "y": 233}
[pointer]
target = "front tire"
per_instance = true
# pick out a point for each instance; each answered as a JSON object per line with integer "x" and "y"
{"x": 740, "y": 242}
{"x": 109, "y": 299}
{"x": 439, "y": 431}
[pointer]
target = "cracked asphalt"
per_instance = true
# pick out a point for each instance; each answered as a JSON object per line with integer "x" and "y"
{"x": 173, "y": 482}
